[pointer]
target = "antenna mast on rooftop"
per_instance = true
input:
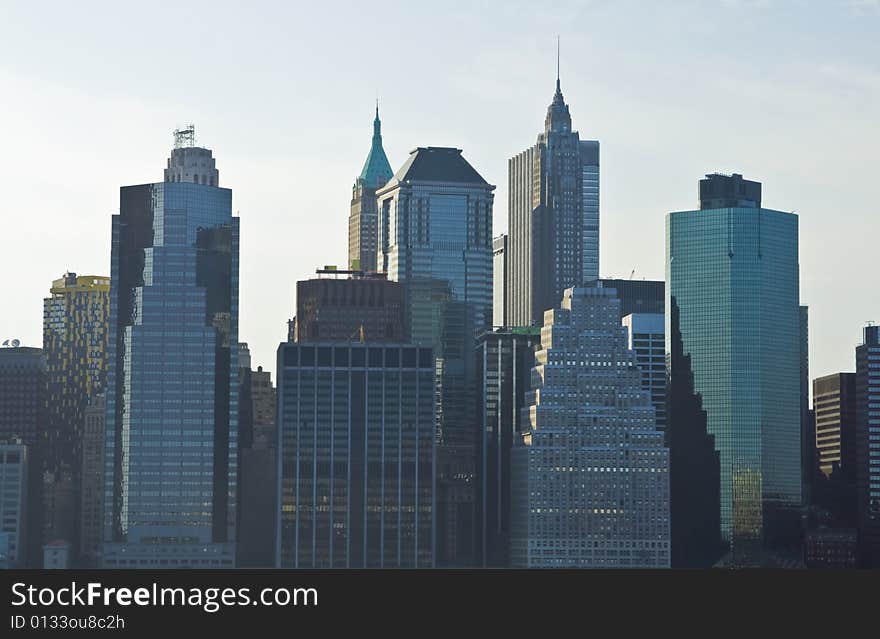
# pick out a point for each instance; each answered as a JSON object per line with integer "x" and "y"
{"x": 185, "y": 137}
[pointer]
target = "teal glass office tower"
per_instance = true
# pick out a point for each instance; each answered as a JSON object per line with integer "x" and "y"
{"x": 732, "y": 277}
{"x": 171, "y": 426}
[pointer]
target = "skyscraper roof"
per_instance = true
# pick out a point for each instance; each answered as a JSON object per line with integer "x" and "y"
{"x": 437, "y": 164}
{"x": 377, "y": 170}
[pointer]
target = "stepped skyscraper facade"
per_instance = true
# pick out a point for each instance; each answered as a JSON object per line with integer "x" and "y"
{"x": 590, "y": 473}
{"x": 363, "y": 219}
{"x": 553, "y": 217}
{"x": 172, "y": 386}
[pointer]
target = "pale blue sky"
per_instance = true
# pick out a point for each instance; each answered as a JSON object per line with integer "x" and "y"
{"x": 787, "y": 93}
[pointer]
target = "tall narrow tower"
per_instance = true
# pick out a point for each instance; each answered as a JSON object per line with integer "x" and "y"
{"x": 733, "y": 299}
{"x": 363, "y": 220}
{"x": 553, "y": 217}
{"x": 75, "y": 321}
{"x": 172, "y": 386}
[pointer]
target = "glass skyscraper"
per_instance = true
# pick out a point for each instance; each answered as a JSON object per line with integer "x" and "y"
{"x": 435, "y": 237}
{"x": 172, "y": 387}
{"x": 356, "y": 438}
{"x": 732, "y": 279}
{"x": 435, "y": 222}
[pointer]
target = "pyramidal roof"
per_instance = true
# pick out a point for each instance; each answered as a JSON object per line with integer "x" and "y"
{"x": 437, "y": 164}
{"x": 377, "y": 170}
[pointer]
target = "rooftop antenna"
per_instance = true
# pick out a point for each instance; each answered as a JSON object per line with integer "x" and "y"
{"x": 632, "y": 274}
{"x": 557, "y": 62}
{"x": 185, "y": 137}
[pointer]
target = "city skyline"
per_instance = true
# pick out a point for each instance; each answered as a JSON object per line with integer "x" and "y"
{"x": 806, "y": 105}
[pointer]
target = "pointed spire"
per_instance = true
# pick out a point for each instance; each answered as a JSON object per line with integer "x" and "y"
{"x": 377, "y": 123}
{"x": 557, "y": 65}
{"x": 377, "y": 170}
{"x": 558, "y": 118}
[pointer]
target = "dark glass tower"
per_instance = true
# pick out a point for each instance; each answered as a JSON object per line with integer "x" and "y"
{"x": 504, "y": 362}
{"x": 23, "y": 415}
{"x": 356, "y": 437}
{"x": 363, "y": 219}
{"x": 172, "y": 387}
{"x": 638, "y": 296}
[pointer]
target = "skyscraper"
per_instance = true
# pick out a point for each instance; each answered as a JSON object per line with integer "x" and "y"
{"x": 171, "y": 448}
{"x": 834, "y": 399}
{"x": 258, "y": 466}
{"x": 499, "y": 280}
{"x": 23, "y": 416}
{"x": 590, "y": 474}
{"x": 732, "y": 274}
{"x": 504, "y": 360}
{"x": 75, "y": 329}
{"x": 645, "y": 333}
{"x": 867, "y": 450}
{"x": 91, "y": 494}
{"x": 356, "y": 430}
{"x": 14, "y": 502}
{"x": 808, "y": 426}
{"x": 363, "y": 219}
{"x": 357, "y": 307}
{"x": 589, "y": 152}
{"x": 435, "y": 222}
{"x": 553, "y": 217}
{"x": 435, "y": 236}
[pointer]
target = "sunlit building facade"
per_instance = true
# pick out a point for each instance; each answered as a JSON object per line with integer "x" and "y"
{"x": 75, "y": 332}
{"x": 590, "y": 473}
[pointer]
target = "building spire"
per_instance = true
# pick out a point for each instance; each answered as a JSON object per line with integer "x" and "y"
{"x": 377, "y": 170}
{"x": 558, "y": 118}
{"x": 557, "y": 65}
{"x": 377, "y": 123}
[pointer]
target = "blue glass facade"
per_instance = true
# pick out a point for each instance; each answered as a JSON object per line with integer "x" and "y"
{"x": 171, "y": 420}
{"x": 732, "y": 273}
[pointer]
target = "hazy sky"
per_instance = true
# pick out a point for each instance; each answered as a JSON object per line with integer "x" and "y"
{"x": 787, "y": 93}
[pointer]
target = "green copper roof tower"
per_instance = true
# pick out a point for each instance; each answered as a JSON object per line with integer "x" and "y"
{"x": 362, "y": 221}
